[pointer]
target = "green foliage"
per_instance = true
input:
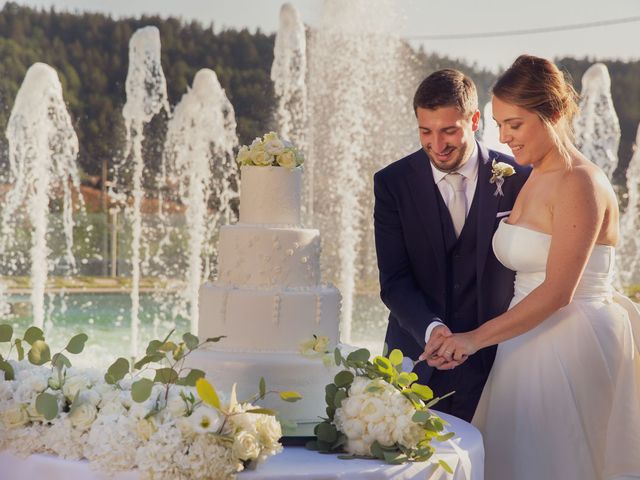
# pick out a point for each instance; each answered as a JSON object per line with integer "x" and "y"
{"x": 383, "y": 369}
{"x": 117, "y": 371}
{"x": 47, "y": 405}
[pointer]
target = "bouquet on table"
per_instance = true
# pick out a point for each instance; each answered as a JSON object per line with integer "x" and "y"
{"x": 376, "y": 410}
{"x": 158, "y": 416}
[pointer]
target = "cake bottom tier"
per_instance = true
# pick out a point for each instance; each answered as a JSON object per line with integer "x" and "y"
{"x": 281, "y": 371}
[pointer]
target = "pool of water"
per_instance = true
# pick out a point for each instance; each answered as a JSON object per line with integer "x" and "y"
{"x": 105, "y": 318}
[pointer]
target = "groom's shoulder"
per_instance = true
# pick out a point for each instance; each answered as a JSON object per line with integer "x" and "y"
{"x": 399, "y": 168}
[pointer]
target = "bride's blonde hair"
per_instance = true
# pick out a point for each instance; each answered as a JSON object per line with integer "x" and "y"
{"x": 539, "y": 86}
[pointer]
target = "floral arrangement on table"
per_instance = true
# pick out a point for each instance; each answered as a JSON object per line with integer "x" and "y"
{"x": 376, "y": 410}
{"x": 157, "y": 415}
{"x": 270, "y": 150}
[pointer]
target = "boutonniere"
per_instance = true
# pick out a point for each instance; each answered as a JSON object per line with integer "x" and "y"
{"x": 500, "y": 170}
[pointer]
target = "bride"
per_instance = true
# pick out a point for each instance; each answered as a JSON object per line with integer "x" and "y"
{"x": 563, "y": 398}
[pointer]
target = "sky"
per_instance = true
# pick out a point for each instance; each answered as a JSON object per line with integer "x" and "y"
{"x": 428, "y": 17}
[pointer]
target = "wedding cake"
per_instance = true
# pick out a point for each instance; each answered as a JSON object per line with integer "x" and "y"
{"x": 268, "y": 299}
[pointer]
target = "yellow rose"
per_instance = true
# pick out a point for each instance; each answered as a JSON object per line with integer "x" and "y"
{"x": 287, "y": 159}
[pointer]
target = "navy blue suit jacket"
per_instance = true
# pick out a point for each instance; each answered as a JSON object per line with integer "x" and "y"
{"x": 411, "y": 251}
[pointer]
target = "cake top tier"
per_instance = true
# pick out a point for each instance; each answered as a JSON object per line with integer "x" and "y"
{"x": 270, "y": 195}
{"x": 271, "y": 182}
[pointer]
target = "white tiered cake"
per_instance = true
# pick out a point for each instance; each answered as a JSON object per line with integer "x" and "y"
{"x": 268, "y": 299}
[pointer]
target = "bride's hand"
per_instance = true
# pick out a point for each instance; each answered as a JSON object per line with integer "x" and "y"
{"x": 458, "y": 347}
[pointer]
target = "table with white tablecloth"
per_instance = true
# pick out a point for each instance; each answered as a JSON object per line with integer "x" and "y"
{"x": 464, "y": 453}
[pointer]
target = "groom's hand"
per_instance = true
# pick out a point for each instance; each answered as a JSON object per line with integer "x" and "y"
{"x": 438, "y": 335}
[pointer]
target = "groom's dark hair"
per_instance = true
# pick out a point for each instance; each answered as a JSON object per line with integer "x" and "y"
{"x": 447, "y": 88}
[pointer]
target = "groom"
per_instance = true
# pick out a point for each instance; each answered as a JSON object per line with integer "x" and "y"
{"x": 435, "y": 214}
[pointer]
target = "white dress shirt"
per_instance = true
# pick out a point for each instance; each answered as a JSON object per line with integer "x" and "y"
{"x": 470, "y": 171}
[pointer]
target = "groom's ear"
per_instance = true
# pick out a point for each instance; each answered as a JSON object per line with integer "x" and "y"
{"x": 475, "y": 120}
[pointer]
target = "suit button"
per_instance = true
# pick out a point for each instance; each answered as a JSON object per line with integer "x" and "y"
{"x": 456, "y": 286}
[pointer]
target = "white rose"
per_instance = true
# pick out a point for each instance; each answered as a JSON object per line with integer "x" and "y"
{"x": 260, "y": 157}
{"x": 382, "y": 433}
{"x": 287, "y": 160}
{"x": 268, "y": 429}
{"x": 358, "y": 447}
{"x": 145, "y": 428}
{"x": 274, "y": 147}
{"x": 245, "y": 446}
{"x": 372, "y": 410}
{"x": 73, "y": 385}
{"x": 83, "y": 415}
{"x": 205, "y": 419}
{"x": 358, "y": 386}
{"x": 270, "y": 137}
{"x": 184, "y": 426}
{"x": 353, "y": 428}
{"x": 90, "y": 396}
{"x": 244, "y": 421}
{"x": 15, "y": 416}
{"x": 244, "y": 157}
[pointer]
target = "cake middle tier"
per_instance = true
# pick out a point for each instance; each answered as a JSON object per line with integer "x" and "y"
{"x": 266, "y": 257}
{"x": 276, "y": 320}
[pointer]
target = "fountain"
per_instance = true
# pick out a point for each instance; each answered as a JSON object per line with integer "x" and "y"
{"x": 200, "y": 143}
{"x": 354, "y": 126}
{"x": 43, "y": 148}
{"x": 146, "y": 96}
{"x": 597, "y": 130}
{"x": 628, "y": 259}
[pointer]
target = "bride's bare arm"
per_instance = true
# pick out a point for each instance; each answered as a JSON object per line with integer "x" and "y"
{"x": 578, "y": 210}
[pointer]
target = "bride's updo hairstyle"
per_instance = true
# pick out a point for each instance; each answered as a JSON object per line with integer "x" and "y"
{"x": 537, "y": 85}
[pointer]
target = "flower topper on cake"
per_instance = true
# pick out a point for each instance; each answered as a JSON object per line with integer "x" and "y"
{"x": 499, "y": 171}
{"x": 270, "y": 150}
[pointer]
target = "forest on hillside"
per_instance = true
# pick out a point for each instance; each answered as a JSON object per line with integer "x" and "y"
{"x": 90, "y": 53}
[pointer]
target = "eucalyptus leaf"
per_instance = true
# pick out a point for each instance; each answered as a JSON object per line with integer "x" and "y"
{"x": 6, "y": 333}
{"x": 383, "y": 364}
{"x": 117, "y": 371}
{"x": 153, "y": 346}
{"x": 59, "y": 360}
{"x": 445, "y": 437}
{"x": 311, "y": 445}
{"x": 262, "y": 387}
{"x": 76, "y": 344}
{"x": 344, "y": 378}
{"x": 39, "y": 353}
{"x": 191, "y": 341}
{"x": 331, "y": 412}
{"x": 150, "y": 358}
{"x": 421, "y": 416}
{"x": 424, "y": 392}
{"x": 385, "y": 349}
{"x": 179, "y": 351}
{"x": 141, "y": 390}
{"x": 6, "y": 367}
{"x": 32, "y": 334}
{"x": 289, "y": 396}
{"x": 327, "y": 432}
{"x": 166, "y": 375}
{"x": 47, "y": 405}
{"x": 395, "y": 458}
{"x": 20, "y": 349}
{"x": 396, "y": 357}
{"x": 376, "y": 450}
{"x": 360, "y": 355}
{"x": 167, "y": 347}
{"x": 191, "y": 378}
{"x": 337, "y": 356}
{"x": 340, "y": 396}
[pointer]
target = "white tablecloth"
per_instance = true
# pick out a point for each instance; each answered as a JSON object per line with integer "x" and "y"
{"x": 464, "y": 453}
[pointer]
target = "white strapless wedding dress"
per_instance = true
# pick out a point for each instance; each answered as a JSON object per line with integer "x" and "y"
{"x": 562, "y": 401}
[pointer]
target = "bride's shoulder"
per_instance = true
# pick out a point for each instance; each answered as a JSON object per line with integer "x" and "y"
{"x": 583, "y": 180}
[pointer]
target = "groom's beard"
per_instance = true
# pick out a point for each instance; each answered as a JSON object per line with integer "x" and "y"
{"x": 452, "y": 164}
